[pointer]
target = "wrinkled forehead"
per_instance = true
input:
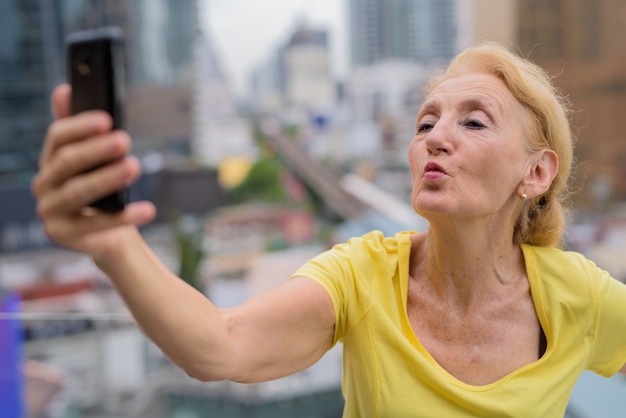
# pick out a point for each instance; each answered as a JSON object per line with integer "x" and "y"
{"x": 478, "y": 87}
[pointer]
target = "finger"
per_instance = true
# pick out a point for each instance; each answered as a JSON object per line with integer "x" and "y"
{"x": 71, "y": 129}
{"x": 60, "y": 101}
{"x": 60, "y": 104}
{"x": 137, "y": 213}
{"x": 80, "y": 157}
{"x": 82, "y": 190}
{"x": 90, "y": 221}
{"x": 69, "y": 230}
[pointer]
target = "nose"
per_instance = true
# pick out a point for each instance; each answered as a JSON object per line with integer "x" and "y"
{"x": 439, "y": 139}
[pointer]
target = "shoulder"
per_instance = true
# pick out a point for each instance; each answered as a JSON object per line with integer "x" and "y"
{"x": 565, "y": 276}
{"x": 357, "y": 273}
{"x": 372, "y": 255}
{"x": 373, "y": 246}
{"x": 375, "y": 242}
{"x": 548, "y": 260}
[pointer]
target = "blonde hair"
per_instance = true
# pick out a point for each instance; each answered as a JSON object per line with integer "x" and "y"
{"x": 542, "y": 219}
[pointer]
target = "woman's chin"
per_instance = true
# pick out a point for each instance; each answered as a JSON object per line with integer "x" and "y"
{"x": 433, "y": 209}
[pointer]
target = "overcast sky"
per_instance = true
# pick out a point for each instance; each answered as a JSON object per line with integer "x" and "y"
{"x": 246, "y": 32}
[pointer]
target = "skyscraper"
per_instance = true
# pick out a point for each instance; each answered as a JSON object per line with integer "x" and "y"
{"x": 582, "y": 43}
{"x": 29, "y": 68}
{"x": 32, "y": 62}
{"x": 162, "y": 36}
{"x": 307, "y": 69}
{"x": 420, "y": 31}
{"x": 165, "y": 32}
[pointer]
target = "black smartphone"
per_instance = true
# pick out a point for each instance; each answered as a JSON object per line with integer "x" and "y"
{"x": 96, "y": 72}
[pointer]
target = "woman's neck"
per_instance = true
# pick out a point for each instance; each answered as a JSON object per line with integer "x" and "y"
{"x": 466, "y": 265}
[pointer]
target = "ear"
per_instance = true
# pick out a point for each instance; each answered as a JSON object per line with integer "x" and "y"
{"x": 541, "y": 173}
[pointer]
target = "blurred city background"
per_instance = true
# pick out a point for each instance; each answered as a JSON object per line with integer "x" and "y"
{"x": 267, "y": 131}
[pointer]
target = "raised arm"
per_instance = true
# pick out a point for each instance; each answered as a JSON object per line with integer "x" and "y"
{"x": 277, "y": 333}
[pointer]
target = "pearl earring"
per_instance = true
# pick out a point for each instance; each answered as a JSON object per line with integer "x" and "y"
{"x": 524, "y": 196}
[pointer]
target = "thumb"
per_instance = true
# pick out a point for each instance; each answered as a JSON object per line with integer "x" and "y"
{"x": 60, "y": 100}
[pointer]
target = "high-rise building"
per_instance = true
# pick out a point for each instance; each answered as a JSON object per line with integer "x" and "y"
{"x": 297, "y": 74}
{"x": 307, "y": 69}
{"x": 32, "y": 62}
{"x": 266, "y": 83}
{"x": 412, "y": 30}
{"x": 490, "y": 20}
{"x": 219, "y": 132}
{"x": 160, "y": 38}
{"x": 581, "y": 43}
{"x": 29, "y": 68}
{"x": 160, "y": 42}
{"x": 165, "y": 33}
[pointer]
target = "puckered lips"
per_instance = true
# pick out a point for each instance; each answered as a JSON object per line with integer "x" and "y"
{"x": 433, "y": 171}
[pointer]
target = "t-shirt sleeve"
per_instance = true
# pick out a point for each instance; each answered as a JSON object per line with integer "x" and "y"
{"x": 609, "y": 351}
{"x": 331, "y": 269}
{"x": 347, "y": 272}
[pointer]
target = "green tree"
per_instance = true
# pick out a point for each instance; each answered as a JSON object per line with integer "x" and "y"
{"x": 189, "y": 237}
{"x": 263, "y": 182}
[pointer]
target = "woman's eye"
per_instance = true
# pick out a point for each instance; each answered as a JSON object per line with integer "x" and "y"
{"x": 474, "y": 124}
{"x": 425, "y": 126}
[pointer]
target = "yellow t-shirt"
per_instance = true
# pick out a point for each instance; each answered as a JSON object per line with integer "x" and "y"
{"x": 387, "y": 373}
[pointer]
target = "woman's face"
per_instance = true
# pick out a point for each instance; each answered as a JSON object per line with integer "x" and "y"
{"x": 470, "y": 150}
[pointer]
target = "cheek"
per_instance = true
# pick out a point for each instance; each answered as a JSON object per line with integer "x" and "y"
{"x": 500, "y": 169}
{"x": 495, "y": 159}
{"x": 415, "y": 156}
{"x": 486, "y": 169}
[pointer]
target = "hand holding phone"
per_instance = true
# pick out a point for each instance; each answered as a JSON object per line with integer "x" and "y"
{"x": 95, "y": 62}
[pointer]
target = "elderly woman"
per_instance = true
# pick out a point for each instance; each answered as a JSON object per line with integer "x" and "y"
{"x": 480, "y": 315}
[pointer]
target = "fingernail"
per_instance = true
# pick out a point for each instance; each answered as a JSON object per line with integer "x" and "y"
{"x": 101, "y": 121}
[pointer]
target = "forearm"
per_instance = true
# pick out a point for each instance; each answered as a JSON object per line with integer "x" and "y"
{"x": 181, "y": 321}
{"x": 82, "y": 160}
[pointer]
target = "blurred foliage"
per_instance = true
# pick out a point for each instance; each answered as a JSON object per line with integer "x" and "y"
{"x": 263, "y": 182}
{"x": 292, "y": 131}
{"x": 188, "y": 235}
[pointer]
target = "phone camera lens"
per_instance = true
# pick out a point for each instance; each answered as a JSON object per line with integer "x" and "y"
{"x": 84, "y": 68}
{"x": 83, "y": 64}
